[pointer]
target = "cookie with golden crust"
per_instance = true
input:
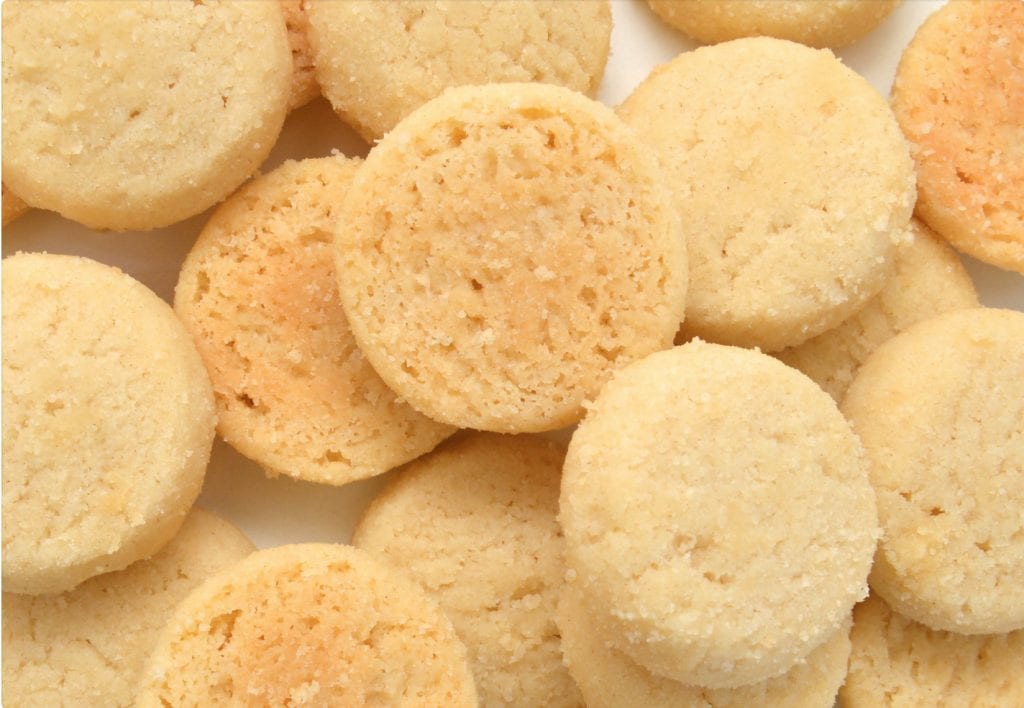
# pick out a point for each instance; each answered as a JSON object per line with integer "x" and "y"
{"x": 13, "y": 205}
{"x": 940, "y": 410}
{"x": 308, "y": 624}
{"x": 959, "y": 96}
{"x": 503, "y": 250}
{"x": 259, "y": 296}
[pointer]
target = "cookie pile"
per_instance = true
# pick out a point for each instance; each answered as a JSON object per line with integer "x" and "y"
{"x": 683, "y": 403}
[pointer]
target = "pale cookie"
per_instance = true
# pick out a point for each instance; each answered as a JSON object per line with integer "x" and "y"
{"x": 902, "y": 664}
{"x": 503, "y": 250}
{"x": 816, "y": 23}
{"x": 610, "y": 679}
{"x": 378, "y": 61}
{"x": 928, "y": 280}
{"x": 108, "y": 421}
{"x": 792, "y": 179}
{"x": 87, "y": 647}
{"x": 940, "y": 410}
{"x": 717, "y": 510}
{"x": 481, "y": 511}
{"x": 259, "y": 295}
{"x": 312, "y": 624}
{"x": 132, "y": 115}
{"x": 304, "y": 86}
{"x": 13, "y": 205}
{"x": 959, "y": 97}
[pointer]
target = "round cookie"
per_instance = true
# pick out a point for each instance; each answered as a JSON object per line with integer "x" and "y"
{"x": 716, "y": 505}
{"x": 259, "y": 295}
{"x": 610, "y": 679}
{"x": 378, "y": 61}
{"x": 816, "y": 23}
{"x": 940, "y": 410}
{"x": 792, "y": 179}
{"x": 306, "y": 624}
{"x": 88, "y": 646}
{"x": 130, "y": 115}
{"x": 503, "y": 250}
{"x": 928, "y": 280}
{"x": 13, "y": 205}
{"x": 959, "y": 97}
{"x": 482, "y": 509}
{"x": 899, "y": 663}
{"x": 108, "y": 422}
{"x": 304, "y": 85}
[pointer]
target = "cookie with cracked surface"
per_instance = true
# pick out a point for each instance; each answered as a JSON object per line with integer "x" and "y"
{"x": 258, "y": 294}
{"x": 87, "y": 647}
{"x": 481, "y": 508}
{"x": 378, "y": 61}
{"x": 108, "y": 422}
{"x": 503, "y": 250}
{"x": 940, "y": 410}
{"x": 309, "y": 624}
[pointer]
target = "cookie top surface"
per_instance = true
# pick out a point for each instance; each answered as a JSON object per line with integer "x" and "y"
{"x": 940, "y": 410}
{"x": 900, "y": 663}
{"x": 959, "y": 97}
{"x": 482, "y": 509}
{"x": 131, "y": 115}
{"x": 928, "y": 279}
{"x": 259, "y": 295}
{"x": 378, "y": 61}
{"x": 716, "y": 504}
{"x": 304, "y": 86}
{"x": 88, "y": 646}
{"x": 108, "y": 421}
{"x": 792, "y": 180}
{"x": 310, "y": 624}
{"x": 503, "y": 249}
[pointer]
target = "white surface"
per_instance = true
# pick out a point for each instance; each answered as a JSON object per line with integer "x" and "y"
{"x": 277, "y": 511}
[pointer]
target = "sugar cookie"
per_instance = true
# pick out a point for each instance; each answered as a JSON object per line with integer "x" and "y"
{"x": 940, "y": 410}
{"x": 108, "y": 421}
{"x": 793, "y": 182}
{"x": 503, "y": 250}
{"x": 481, "y": 510}
{"x": 304, "y": 85}
{"x": 259, "y": 295}
{"x": 13, "y": 205}
{"x": 308, "y": 624}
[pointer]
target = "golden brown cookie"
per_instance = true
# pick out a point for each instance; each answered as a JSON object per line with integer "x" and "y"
{"x": 13, "y": 205}
{"x": 304, "y": 85}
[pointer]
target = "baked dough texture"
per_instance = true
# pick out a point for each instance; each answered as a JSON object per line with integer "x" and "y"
{"x": 87, "y": 647}
{"x": 378, "y": 61}
{"x": 108, "y": 422}
{"x": 13, "y": 205}
{"x": 902, "y": 664}
{"x": 792, "y": 179}
{"x": 503, "y": 250}
{"x": 959, "y": 97}
{"x": 717, "y": 510}
{"x": 136, "y": 115}
{"x": 259, "y": 295}
{"x": 940, "y": 410}
{"x": 480, "y": 511}
{"x": 304, "y": 85}
{"x": 816, "y": 23}
{"x": 610, "y": 679}
{"x": 309, "y": 624}
{"x": 928, "y": 279}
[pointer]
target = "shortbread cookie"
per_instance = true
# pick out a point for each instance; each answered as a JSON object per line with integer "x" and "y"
{"x": 13, "y": 205}
{"x": 716, "y": 507}
{"x": 312, "y": 624}
{"x": 503, "y": 250}
{"x": 378, "y": 61}
{"x": 940, "y": 410}
{"x": 481, "y": 510}
{"x": 132, "y": 115}
{"x": 902, "y": 664}
{"x": 816, "y": 23}
{"x": 304, "y": 85}
{"x": 610, "y": 679}
{"x": 108, "y": 421}
{"x": 792, "y": 179}
{"x": 959, "y": 97}
{"x": 87, "y": 647}
{"x": 928, "y": 280}
{"x": 259, "y": 295}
